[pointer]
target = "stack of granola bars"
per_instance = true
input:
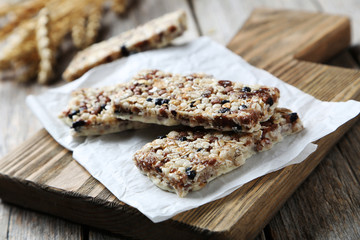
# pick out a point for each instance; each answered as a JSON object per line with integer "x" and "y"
{"x": 221, "y": 123}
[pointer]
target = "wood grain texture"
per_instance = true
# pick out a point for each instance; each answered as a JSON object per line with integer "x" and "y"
{"x": 221, "y": 20}
{"x": 51, "y": 171}
{"x": 28, "y": 225}
{"x": 334, "y": 187}
{"x": 18, "y": 123}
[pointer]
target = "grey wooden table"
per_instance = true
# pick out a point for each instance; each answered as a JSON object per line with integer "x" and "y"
{"x": 326, "y": 206}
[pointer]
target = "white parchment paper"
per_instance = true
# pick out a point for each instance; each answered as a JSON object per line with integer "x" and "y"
{"x": 109, "y": 158}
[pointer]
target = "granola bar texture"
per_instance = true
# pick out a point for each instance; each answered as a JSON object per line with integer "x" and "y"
{"x": 89, "y": 112}
{"x": 187, "y": 160}
{"x": 154, "y": 34}
{"x": 195, "y": 100}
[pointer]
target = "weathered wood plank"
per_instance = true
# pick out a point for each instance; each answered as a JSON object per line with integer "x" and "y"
{"x": 327, "y": 205}
{"x": 221, "y": 20}
{"x": 285, "y": 226}
{"x": 26, "y": 224}
{"x": 349, "y": 8}
{"x": 5, "y": 210}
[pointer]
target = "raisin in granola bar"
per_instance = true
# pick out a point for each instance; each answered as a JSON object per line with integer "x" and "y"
{"x": 154, "y": 34}
{"x": 89, "y": 112}
{"x": 185, "y": 161}
{"x": 195, "y": 100}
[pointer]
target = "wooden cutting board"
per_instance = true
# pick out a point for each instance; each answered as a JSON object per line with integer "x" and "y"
{"x": 41, "y": 175}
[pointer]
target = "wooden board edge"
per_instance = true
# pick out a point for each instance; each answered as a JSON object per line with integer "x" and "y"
{"x": 249, "y": 229}
{"x": 126, "y": 221}
{"x": 320, "y": 51}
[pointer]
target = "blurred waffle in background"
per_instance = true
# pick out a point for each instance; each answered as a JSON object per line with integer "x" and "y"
{"x": 32, "y": 32}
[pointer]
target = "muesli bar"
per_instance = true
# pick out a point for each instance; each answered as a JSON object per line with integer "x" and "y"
{"x": 89, "y": 112}
{"x": 196, "y": 100}
{"x": 154, "y": 34}
{"x": 187, "y": 160}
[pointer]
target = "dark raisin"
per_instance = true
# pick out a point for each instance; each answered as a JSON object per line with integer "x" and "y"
{"x": 293, "y": 117}
{"x": 149, "y": 99}
{"x": 246, "y": 89}
{"x": 158, "y": 169}
{"x": 165, "y": 101}
{"x": 174, "y": 113}
{"x": 102, "y": 107}
{"x": 72, "y": 113}
{"x": 199, "y": 149}
{"x": 237, "y": 128}
{"x": 270, "y": 101}
{"x": 162, "y": 137}
{"x": 183, "y": 139}
{"x": 78, "y": 124}
{"x": 192, "y": 104}
{"x": 124, "y": 51}
{"x": 224, "y": 110}
{"x": 172, "y": 28}
{"x": 225, "y": 83}
{"x": 242, "y": 107}
{"x": 224, "y": 101}
{"x": 190, "y": 173}
{"x": 158, "y": 101}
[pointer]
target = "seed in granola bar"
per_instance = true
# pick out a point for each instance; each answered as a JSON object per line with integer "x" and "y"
{"x": 165, "y": 101}
{"x": 206, "y": 93}
{"x": 224, "y": 101}
{"x": 225, "y": 83}
{"x": 158, "y": 169}
{"x": 270, "y": 101}
{"x": 149, "y": 99}
{"x": 293, "y": 117}
{"x": 190, "y": 173}
{"x": 76, "y": 125}
{"x": 183, "y": 139}
{"x": 72, "y": 113}
{"x": 124, "y": 51}
{"x": 246, "y": 89}
{"x": 242, "y": 107}
{"x": 162, "y": 137}
{"x": 199, "y": 149}
{"x": 224, "y": 110}
{"x": 192, "y": 104}
{"x": 158, "y": 101}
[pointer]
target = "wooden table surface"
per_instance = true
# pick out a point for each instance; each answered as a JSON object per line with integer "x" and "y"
{"x": 327, "y": 204}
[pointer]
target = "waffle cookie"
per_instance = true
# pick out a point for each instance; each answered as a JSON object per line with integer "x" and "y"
{"x": 185, "y": 161}
{"x": 89, "y": 112}
{"x": 154, "y": 34}
{"x": 195, "y": 100}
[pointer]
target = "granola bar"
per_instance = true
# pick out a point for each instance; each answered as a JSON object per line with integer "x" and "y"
{"x": 89, "y": 112}
{"x": 185, "y": 161}
{"x": 195, "y": 100}
{"x": 154, "y": 34}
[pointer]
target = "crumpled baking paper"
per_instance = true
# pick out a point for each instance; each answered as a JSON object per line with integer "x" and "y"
{"x": 109, "y": 158}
